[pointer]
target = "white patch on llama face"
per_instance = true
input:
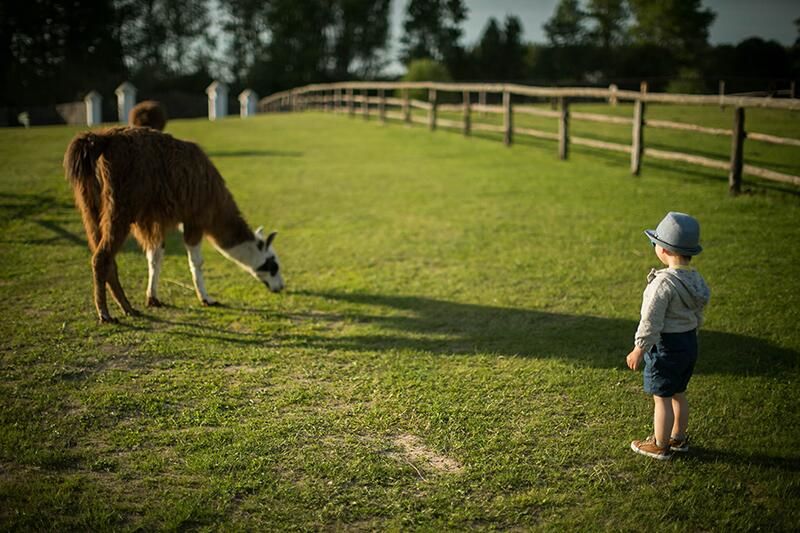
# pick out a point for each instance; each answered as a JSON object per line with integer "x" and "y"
{"x": 259, "y": 259}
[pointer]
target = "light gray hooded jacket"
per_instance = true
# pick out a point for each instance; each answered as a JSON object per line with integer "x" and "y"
{"x": 673, "y": 302}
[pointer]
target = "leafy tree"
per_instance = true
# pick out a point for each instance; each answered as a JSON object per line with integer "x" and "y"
{"x": 163, "y": 37}
{"x": 680, "y": 25}
{"x": 360, "y": 32}
{"x": 433, "y": 30}
{"x": 488, "y": 54}
{"x": 513, "y": 49}
{"x": 500, "y": 53}
{"x": 285, "y": 43}
{"x": 797, "y": 25}
{"x": 56, "y": 50}
{"x": 245, "y": 25}
{"x": 566, "y": 26}
{"x": 610, "y": 17}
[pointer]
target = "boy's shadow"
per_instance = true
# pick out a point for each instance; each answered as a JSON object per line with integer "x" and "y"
{"x": 730, "y": 456}
{"x": 446, "y": 328}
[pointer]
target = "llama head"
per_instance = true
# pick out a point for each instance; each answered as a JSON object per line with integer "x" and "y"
{"x": 267, "y": 269}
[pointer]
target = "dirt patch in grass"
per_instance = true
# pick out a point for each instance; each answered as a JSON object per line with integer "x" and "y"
{"x": 412, "y": 450}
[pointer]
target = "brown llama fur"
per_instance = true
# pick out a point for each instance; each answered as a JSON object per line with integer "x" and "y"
{"x": 139, "y": 180}
{"x": 148, "y": 113}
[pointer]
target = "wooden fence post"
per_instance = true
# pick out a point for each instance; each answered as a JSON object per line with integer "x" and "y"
{"x": 722, "y": 94}
{"x": 612, "y": 98}
{"x": 737, "y": 152}
{"x": 406, "y": 108}
{"x": 508, "y": 119}
{"x": 792, "y": 89}
{"x": 482, "y": 101}
{"x": 365, "y": 103}
{"x": 382, "y": 105}
{"x": 637, "y": 146}
{"x": 467, "y": 111}
{"x": 350, "y": 108}
{"x": 432, "y": 109}
{"x": 563, "y": 129}
{"x": 337, "y": 101}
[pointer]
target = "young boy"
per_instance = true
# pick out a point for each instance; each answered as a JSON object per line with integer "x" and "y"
{"x": 672, "y": 310}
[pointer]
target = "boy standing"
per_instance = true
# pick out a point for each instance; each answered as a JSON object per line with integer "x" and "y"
{"x": 672, "y": 310}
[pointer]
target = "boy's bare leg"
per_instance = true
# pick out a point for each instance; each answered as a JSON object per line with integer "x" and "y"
{"x": 663, "y": 419}
{"x": 680, "y": 406}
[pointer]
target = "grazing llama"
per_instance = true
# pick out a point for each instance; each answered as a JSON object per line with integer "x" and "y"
{"x": 148, "y": 113}
{"x": 141, "y": 180}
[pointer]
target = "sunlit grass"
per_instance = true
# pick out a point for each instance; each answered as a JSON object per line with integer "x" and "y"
{"x": 478, "y": 298}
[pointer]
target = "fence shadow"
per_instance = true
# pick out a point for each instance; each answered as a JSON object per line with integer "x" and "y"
{"x": 21, "y": 205}
{"x": 447, "y": 328}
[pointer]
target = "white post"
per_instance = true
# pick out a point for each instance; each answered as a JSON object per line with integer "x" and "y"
{"x": 94, "y": 110}
{"x": 217, "y": 100}
{"x": 612, "y": 99}
{"x": 247, "y": 103}
{"x": 126, "y": 99}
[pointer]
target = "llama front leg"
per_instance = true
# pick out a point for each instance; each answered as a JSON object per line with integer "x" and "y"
{"x": 154, "y": 260}
{"x": 196, "y": 266}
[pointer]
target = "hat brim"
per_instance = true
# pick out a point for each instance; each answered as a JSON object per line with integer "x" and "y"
{"x": 651, "y": 234}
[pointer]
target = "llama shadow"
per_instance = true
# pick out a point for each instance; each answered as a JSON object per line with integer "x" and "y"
{"x": 255, "y": 153}
{"x": 452, "y": 328}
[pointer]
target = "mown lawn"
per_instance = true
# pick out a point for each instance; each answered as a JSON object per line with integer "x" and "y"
{"x": 448, "y": 354}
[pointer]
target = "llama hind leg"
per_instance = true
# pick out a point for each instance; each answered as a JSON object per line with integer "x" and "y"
{"x": 104, "y": 269}
{"x": 196, "y": 266}
{"x": 118, "y": 293}
{"x": 101, "y": 268}
{"x": 154, "y": 260}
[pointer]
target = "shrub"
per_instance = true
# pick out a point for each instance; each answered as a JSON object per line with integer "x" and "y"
{"x": 425, "y": 70}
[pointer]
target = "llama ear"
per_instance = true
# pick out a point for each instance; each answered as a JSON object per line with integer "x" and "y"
{"x": 271, "y": 238}
{"x": 259, "y": 232}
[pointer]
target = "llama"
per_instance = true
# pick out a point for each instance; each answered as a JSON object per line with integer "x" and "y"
{"x": 146, "y": 182}
{"x": 148, "y": 113}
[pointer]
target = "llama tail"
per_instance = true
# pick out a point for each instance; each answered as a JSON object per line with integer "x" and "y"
{"x": 80, "y": 165}
{"x": 80, "y": 159}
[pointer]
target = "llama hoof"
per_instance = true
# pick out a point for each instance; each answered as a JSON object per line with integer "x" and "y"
{"x": 154, "y": 302}
{"x": 133, "y": 312}
{"x": 210, "y": 303}
{"x": 108, "y": 319}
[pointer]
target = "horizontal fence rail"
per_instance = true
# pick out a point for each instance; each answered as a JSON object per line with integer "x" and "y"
{"x": 356, "y": 98}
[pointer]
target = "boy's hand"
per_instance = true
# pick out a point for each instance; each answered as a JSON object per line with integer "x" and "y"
{"x": 634, "y": 358}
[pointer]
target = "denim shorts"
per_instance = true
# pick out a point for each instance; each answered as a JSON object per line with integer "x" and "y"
{"x": 670, "y": 363}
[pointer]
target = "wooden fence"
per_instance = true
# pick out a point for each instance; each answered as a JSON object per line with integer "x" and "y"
{"x": 371, "y": 97}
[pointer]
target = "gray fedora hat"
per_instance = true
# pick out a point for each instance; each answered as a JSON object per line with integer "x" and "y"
{"x": 677, "y": 232}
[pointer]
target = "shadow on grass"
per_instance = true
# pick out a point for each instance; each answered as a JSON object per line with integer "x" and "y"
{"x": 447, "y": 328}
{"x": 15, "y": 206}
{"x": 734, "y": 458}
{"x": 255, "y": 153}
{"x": 372, "y": 322}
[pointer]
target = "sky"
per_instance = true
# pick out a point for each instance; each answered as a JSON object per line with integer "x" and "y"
{"x": 736, "y": 19}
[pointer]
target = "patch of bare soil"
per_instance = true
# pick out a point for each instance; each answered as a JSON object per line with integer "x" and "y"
{"x": 412, "y": 450}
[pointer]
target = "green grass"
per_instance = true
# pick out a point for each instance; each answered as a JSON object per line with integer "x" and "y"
{"x": 475, "y": 300}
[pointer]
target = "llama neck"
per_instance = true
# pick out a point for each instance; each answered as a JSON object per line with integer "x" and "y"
{"x": 229, "y": 228}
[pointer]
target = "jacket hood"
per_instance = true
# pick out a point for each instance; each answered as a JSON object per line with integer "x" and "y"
{"x": 690, "y": 286}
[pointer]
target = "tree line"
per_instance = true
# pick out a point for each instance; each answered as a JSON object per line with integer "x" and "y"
{"x": 56, "y": 50}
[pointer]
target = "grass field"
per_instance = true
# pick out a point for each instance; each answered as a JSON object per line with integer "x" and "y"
{"x": 448, "y": 354}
